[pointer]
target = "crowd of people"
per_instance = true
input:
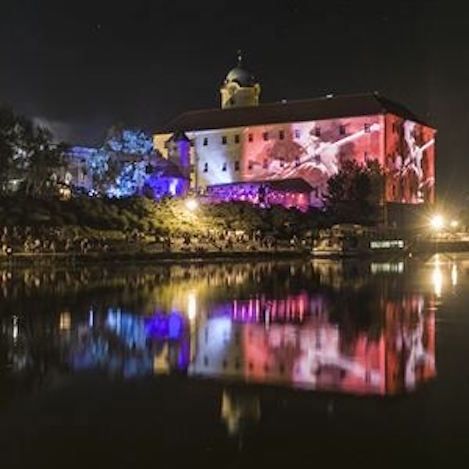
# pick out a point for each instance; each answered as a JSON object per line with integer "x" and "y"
{"x": 46, "y": 240}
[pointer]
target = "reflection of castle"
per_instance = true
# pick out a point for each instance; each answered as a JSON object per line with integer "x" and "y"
{"x": 284, "y": 153}
{"x": 318, "y": 354}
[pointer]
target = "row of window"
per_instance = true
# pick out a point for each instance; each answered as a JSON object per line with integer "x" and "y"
{"x": 281, "y": 135}
{"x": 265, "y": 163}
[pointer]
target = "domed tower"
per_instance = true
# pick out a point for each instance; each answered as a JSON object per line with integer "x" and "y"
{"x": 239, "y": 88}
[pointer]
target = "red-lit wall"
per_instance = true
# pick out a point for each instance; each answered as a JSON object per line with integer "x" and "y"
{"x": 410, "y": 161}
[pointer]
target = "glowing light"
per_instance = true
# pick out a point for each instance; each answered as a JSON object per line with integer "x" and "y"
{"x": 437, "y": 278}
{"x": 437, "y": 222}
{"x": 191, "y": 306}
{"x": 454, "y": 223}
{"x": 454, "y": 275}
{"x": 192, "y": 204}
{"x": 65, "y": 321}
{"x": 15, "y": 330}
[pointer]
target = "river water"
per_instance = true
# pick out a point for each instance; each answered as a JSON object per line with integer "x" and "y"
{"x": 239, "y": 364}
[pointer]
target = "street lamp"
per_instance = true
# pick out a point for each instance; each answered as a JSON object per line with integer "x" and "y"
{"x": 454, "y": 224}
{"x": 192, "y": 204}
{"x": 437, "y": 222}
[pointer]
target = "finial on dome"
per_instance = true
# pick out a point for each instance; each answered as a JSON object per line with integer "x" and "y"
{"x": 240, "y": 58}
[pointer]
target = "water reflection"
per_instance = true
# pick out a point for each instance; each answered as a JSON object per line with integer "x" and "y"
{"x": 323, "y": 325}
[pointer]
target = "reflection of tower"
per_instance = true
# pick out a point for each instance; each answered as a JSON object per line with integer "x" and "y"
{"x": 239, "y": 88}
{"x": 238, "y": 410}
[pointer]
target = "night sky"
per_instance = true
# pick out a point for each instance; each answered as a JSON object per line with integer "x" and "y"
{"x": 82, "y": 66}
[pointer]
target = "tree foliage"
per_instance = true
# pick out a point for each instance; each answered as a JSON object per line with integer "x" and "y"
{"x": 27, "y": 153}
{"x": 355, "y": 192}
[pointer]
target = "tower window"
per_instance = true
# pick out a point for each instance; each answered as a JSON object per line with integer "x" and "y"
{"x": 236, "y": 166}
{"x": 342, "y": 130}
{"x": 205, "y": 143}
{"x": 223, "y": 140}
{"x": 297, "y": 133}
{"x": 317, "y": 131}
{"x": 366, "y": 128}
{"x": 250, "y": 137}
{"x": 265, "y": 136}
{"x": 205, "y": 167}
{"x": 281, "y": 134}
{"x": 236, "y": 138}
{"x": 223, "y": 168}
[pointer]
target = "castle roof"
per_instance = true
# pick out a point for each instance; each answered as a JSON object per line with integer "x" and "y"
{"x": 328, "y": 107}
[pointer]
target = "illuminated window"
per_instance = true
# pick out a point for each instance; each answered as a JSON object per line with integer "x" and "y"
{"x": 317, "y": 131}
{"x": 297, "y": 133}
{"x": 366, "y": 128}
{"x": 250, "y": 137}
{"x": 205, "y": 142}
{"x": 281, "y": 134}
{"x": 236, "y": 166}
{"x": 265, "y": 136}
{"x": 223, "y": 168}
{"x": 223, "y": 140}
{"x": 205, "y": 167}
{"x": 236, "y": 138}
{"x": 342, "y": 130}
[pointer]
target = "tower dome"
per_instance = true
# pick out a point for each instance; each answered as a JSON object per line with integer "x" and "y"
{"x": 240, "y": 76}
{"x": 240, "y": 88}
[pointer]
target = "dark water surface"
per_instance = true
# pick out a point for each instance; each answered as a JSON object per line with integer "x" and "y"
{"x": 289, "y": 364}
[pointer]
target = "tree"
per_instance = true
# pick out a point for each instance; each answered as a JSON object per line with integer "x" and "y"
{"x": 27, "y": 153}
{"x": 355, "y": 192}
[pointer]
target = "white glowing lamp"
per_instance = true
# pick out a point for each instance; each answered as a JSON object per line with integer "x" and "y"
{"x": 437, "y": 222}
{"x": 192, "y": 204}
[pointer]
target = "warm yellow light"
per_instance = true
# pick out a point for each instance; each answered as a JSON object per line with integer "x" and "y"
{"x": 437, "y": 222}
{"x": 192, "y": 204}
{"x": 191, "y": 305}
{"x": 454, "y": 223}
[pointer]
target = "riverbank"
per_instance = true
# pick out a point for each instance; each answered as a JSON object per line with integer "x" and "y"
{"x": 22, "y": 259}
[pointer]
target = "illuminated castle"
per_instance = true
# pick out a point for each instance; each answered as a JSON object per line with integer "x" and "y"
{"x": 285, "y": 152}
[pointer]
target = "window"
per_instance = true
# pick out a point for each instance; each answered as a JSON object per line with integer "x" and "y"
{"x": 250, "y": 165}
{"x": 297, "y": 133}
{"x": 223, "y": 140}
{"x": 236, "y": 138}
{"x": 282, "y": 162}
{"x": 297, "y": 162}
{"x": 223, "y": 168}
{"x": 342, "y": 130}
{"x": 265, "y": 164}
{"x": 236, "y": 166}
{"x": 205, "y": 142}
{"x": 265, "y": 136}
{"x": 281, "y": 134}
{"x": 250, "y": 137}
{"x": 205, "y": 167}
{"x": 366, "y": 128}
{"x": 317, "y": 131}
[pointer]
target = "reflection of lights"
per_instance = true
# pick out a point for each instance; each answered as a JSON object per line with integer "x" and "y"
{"x": 191, "y": 306}
{"x": 437, "y": 278}
{"x": 15, "y": 330}
{"x": 192, "y": 204}
{"x": 91, "y": 318}
{"x": 454, "y": 275}
{"x": 437, "y": 222}
{"x": 65, "y": 321}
